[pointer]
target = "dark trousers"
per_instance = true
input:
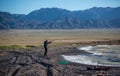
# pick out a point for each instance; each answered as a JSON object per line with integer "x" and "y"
{"x": 45, "y": 53}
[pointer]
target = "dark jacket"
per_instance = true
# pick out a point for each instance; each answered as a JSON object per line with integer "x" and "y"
{"x": 46, "y": 43}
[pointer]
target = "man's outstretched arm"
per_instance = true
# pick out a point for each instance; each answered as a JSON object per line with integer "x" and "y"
{"x": 49, "y": 42}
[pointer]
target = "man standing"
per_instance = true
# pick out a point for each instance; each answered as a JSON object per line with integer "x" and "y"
{"x": 45, "y": 46}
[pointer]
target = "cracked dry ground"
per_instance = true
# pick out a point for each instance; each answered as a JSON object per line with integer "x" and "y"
{"x": 33, "y": 63}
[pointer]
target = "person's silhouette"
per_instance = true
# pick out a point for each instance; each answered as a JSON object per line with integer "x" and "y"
{"x": 45, "y": 46}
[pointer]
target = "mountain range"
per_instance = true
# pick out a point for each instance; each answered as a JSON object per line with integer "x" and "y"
{"x": 56, "y": 18}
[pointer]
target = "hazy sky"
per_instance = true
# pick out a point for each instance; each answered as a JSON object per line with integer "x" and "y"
{"x": 26, "y": 6}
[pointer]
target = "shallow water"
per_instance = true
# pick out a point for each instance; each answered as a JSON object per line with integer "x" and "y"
{"x": 103, "y": 55}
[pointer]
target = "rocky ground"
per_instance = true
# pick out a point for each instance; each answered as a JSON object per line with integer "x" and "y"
{"x": 31, "y": 62}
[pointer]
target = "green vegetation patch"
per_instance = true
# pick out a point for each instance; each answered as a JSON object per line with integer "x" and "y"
{"x": 31, "y": 46}
{"x": 11, "y": 47}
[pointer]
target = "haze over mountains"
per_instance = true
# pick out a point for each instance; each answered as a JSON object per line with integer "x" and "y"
{"x": 56, "y": 18}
